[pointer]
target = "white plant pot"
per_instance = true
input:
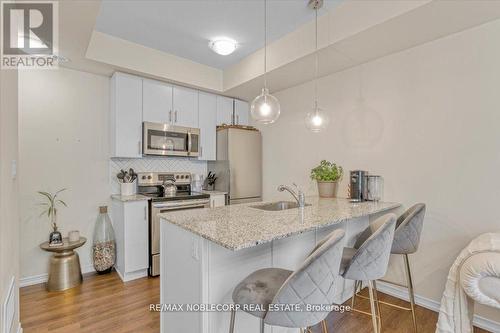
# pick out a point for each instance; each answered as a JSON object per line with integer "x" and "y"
{"x": 127, "y": 188}
{"x": 327, "y": 189}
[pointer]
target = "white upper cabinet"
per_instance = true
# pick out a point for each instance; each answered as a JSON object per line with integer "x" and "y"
{"x": 126, "y": 116}
{"x": 207, "y": 118}
{"x": 224, "y": 110}
{"x": 134, "y": 100}
{"x": 164, "y": 103}
{"x": 241, "y": 112}
{"x": 157, "y": 102}
{"x": 185, "y": 107}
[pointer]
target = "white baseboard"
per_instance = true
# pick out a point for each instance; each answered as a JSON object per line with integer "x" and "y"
{"x": 19, "y": 329}
{"x": 402, "y": 293}
{"x": 42, "y": 278}
{"x": 9, "y": 307}
{"x": 132, "y": 275}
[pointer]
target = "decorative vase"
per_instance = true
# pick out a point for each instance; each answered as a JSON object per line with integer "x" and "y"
{"x": 327, "y": 189}
{"x": 55, "y": 237}
{"x": 104, "y": 244}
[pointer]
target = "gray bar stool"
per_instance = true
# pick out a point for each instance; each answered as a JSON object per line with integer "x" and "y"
{"x": 406, "y": 240}
{"x": 369, "y": 261}
{"x": 313, "y": 283}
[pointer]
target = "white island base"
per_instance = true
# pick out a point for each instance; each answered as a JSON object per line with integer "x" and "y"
{"x": 196, "y": 270}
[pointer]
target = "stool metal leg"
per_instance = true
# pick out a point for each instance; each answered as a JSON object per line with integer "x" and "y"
{"x": 378, "y": 306}
{"x": 262, "y": 326}
{"x": 325, "y": 328}
{"x": 231, "y": 323}
{"x": 410, "y": 291}
{"x": 353, "y": 299}
{"x": 372, "y": 307}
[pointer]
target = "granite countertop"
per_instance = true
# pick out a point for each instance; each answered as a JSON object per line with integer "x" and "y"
{"x": 126, "y": 198}
{"x": 237, "y": 227}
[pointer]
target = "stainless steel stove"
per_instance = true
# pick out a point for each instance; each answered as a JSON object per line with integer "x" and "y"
{"x": 152, "y": 185}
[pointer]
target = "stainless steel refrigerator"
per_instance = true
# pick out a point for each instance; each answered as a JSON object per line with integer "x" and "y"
{"x": 239, "y": 164}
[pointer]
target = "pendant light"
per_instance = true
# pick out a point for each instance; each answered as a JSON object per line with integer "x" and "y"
{"x": 265, "y": 108}
{"x": 316, "y": 120}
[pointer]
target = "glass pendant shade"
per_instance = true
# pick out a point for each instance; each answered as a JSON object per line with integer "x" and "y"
{"x": 265, "y": 108}
{"x": 317, "y": 119}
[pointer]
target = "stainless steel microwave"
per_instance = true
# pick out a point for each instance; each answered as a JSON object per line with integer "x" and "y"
{"x": 168, "y": 140}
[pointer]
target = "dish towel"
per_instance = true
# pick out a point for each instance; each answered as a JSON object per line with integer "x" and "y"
{"x": 463, "y": 284}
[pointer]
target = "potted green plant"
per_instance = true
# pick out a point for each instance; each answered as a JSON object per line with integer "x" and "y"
{"x": 50, "y": 209}
{"x": 327, "y": 174}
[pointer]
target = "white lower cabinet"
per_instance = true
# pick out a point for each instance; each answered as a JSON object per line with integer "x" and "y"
{"x": 217, "y": 200}
{"x": 130, "y": 221}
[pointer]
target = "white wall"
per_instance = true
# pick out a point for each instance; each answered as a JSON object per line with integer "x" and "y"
{"x": 63, "y": 126}
{"x": 63, "y": 129}
{"x": 9, "y": 217}
{"x": 432, "y": 132}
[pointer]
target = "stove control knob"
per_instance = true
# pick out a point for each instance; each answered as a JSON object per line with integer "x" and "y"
{"x": 149, "y": 177}
{"x": 177, "y": 177}
{"x": 187, "y": 176}
{"x": 143, "y": 177}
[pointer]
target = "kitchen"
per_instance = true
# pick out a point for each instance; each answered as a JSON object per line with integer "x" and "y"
{"x": 142, "y": 95}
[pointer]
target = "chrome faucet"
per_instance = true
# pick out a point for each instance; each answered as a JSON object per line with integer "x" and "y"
{"x": 298, "y": 194}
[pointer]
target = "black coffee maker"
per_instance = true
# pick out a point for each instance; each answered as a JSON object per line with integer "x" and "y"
{"x": 357, "y": 185}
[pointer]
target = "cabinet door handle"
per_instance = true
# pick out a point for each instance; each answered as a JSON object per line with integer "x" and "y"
{"x": 201, "y": 151}
{"x": 145, "y": 213}
{"x": 139, "y": 147}
{"x": 175, "y": 115}
{"x": 170, "y": 116}
{"x": 237, "y": 119}
{"x": 233, "y": 113}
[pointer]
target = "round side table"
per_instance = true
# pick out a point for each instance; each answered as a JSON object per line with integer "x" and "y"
{"x": 64, "y": 269}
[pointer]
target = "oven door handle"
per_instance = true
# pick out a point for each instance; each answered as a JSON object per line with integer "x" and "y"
{"x": 182, "y": 206}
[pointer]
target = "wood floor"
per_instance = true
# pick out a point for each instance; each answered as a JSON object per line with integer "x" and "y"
{"x": 104, "y": 304}
{"x": 101, "y": 304}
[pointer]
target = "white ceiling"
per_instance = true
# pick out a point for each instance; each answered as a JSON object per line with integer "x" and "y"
{"x": 184, "y": 27}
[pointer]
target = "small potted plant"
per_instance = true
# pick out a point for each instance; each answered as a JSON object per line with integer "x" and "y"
{"x": 327, "y": 174}
{"x": 50, "y": 209}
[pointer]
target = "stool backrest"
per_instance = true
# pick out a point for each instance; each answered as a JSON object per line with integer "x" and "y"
{"x": 313, "y": 283}
{"x": 372, "y": 256}
{"x": 408, "y": 230}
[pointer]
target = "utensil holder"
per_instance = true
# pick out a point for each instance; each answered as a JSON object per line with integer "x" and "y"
{"x": 128, "y": 188}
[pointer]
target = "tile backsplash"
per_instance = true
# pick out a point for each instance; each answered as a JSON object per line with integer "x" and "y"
{"x": 153, "y": 164}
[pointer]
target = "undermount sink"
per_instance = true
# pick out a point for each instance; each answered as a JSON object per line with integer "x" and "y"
{"x": 277, "y": 206}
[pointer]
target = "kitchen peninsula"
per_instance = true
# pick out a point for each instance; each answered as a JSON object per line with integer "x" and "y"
{"x": 205, "y": 253}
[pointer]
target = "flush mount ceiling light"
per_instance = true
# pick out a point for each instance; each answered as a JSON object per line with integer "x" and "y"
{"x": 265, "y": 108}
{"x": 317, "y": 119}
{"x": 223, "y": 46}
